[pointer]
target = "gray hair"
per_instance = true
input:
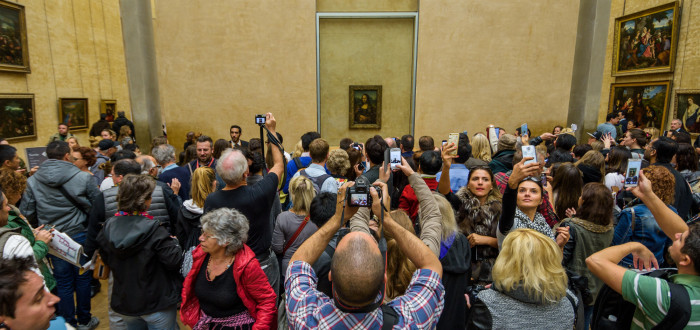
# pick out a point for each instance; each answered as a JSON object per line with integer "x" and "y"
{"x": 164, "y": 154}
{"x": 228, "y": 226}
{"x": 231, "y": 167}
{"x": 146, "y": 164}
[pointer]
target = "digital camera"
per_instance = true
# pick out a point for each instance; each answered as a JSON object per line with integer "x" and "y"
{"x": 358, "y": 195}
{"x": 260, "y": 119}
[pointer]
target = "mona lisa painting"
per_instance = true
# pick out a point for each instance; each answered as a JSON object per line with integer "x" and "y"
{"x": 365, "y": 106}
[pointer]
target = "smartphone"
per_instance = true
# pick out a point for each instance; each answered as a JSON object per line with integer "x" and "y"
{"x": 529, "y": 151}
{"x": 523, "y": 129}
{"x": 543, "y": 179}
{"x": 453, "y": 138}
{"x": 444, "y": 142}
{"x": 633, "y": 168}
{"x": 395, "y": 158}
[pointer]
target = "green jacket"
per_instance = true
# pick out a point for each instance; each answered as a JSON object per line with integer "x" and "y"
{"x": 41, "y": 250}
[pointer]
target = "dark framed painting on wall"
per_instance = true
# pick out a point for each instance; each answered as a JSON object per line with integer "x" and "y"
{"x": 109, "y": 108}
{"x": 687, "y": 109}
{"x": 74, "y": 112}
{"x": 645, "y": 42}
{"x": 14, "y": 53}
{"x": 17, "y": 117}
{"x": 365, "y": 106}
{"x": 646, "y": 102}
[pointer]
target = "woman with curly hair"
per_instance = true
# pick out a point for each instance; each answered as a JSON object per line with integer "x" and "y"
{"x": 84, "y": 158}
{"x": 338, "y": 164}
{"x": 637, "y": 224}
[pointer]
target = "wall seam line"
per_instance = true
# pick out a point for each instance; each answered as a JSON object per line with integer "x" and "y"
{"x": 94, "y": 47}
{"x": 53, "y": 65}
{"x": 109, "y": 63}
{"x": 77, "y": 50}
{"x": 685, "y": 45}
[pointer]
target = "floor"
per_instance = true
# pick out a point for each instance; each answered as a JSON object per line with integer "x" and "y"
{"x": 99, "y": 308}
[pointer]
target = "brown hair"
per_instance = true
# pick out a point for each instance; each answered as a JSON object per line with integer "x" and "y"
{"x": 663, "y": 183}
{"x": 567, "y": 183}
{"x": 89, "y": 155}
{"x": 398, "y": 268}
{"x": 597, "y": 204}
{"x": 12, "y": 182}
{"x": 355, "y": 157}
{"x": 134, "y": 191}
{"x": 595, "y": 159}
{"x": 318, "y": 150}
{"x": 639, "y": 135}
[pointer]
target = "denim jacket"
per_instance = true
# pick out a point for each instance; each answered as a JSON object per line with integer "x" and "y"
{"x": 646, "y": 231}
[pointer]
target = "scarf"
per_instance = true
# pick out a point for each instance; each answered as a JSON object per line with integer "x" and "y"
{"x": 539, "y": 224}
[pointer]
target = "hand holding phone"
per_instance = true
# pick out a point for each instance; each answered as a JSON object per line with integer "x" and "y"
{"x": 394, "y": 158}
{"x": 529, "y": 151}
{"x": 632, "y": 174}
{"x": 453, "y": 138}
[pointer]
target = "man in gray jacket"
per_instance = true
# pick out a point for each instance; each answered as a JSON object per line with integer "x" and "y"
{"x": 60, "y": 195}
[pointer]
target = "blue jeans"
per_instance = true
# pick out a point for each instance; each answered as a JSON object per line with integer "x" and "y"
{"x": 69, "y": 281}
{"x": 163, "y": 320}
{"x": 588, "y": 315}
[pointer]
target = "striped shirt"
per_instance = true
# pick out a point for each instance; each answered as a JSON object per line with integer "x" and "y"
{"x": 307, "y": 308}
{"x": 652, "y": 298}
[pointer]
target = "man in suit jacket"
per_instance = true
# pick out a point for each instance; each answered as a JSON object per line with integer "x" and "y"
{"x": 676, "y": 125}
{"x": 236, "y": 142}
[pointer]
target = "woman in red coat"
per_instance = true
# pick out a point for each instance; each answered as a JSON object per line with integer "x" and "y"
{"x": 226, "y": 288}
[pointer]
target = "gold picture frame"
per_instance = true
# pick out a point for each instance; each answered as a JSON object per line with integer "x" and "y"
{"x": 109, "y": 108}
{"x": 685, "y": 100}
{"x": 17, "y": 117}
{"x": 645, "y": 102}
{"x": 13, "y": 32}
{"x": 74, "y": 112}
{"x": 646, "y": 41}
{"x": 365, "y": 106}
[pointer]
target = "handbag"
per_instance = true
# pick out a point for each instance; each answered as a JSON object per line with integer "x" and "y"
{"x": 101, "y": 271}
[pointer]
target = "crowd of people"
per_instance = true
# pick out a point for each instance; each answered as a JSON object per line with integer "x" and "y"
{"x": 474, "y": 234}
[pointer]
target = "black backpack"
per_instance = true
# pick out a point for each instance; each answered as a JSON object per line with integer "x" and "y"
{"x": 611, "y": 311}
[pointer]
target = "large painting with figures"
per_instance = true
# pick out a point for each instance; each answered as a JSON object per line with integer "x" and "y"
{"x": 646, "y": 103}
{"x": 687, "y": 109}
{"x": 14, "y": 55}
{"x": 365, "y": 106}
{"x": 17, "y": 121}
{"x": 645, "y": 42}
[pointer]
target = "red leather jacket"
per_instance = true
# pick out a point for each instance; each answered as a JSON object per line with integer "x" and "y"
{"x": 251, "y": 285}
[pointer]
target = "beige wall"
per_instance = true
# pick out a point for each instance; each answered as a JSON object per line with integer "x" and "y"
{"x": 686, "y": 73}
{"x": 220, "y": 63}
{"x": 479, "y": 62}
{"x": 365, "y": 52}
{"x": 503, "y": 62}
{"x": 75, "y": 50}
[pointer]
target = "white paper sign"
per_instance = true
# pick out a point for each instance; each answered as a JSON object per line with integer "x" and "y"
{"x": 66, "y": 248}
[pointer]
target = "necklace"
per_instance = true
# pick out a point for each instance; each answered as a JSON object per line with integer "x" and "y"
{"x": 208, "y": 273}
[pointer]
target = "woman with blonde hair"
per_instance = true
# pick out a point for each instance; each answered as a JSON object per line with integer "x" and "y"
{"x": 481, "y": 151}
{"x": 528, "y": 279}
{"x": 73, "y": 142}
{"x": 298, "y": 150}
{"x": 125, "y": 135}
{"x": 652, "y": 133}
{"x": 293, "y": 227}
{"x": 338, "y": 164}
{"x": 399, "y": 269}
{"x": 188, "y": 227}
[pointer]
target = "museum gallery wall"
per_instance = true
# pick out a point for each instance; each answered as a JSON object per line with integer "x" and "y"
{"x": 652, "y": 70}
{"x": 58, "y": 61}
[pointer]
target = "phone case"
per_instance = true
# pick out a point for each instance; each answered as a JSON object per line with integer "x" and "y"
{"x": 453, "y": 138}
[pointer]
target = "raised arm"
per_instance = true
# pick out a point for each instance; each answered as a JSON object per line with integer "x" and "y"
{"x": 669, "y": 221}
{"x": 430, "y": 216}
{"x": 604, "y": 263}
{"x": 414, "y": 249}
{"x": 510, "y": 197}
{"x": 277, "y": 156}
{"x": 312, "y": 248}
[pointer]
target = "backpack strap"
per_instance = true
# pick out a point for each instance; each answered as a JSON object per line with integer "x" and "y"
{"x": 5, "y": 234}
{"x": 189, "y": 166}
{"x": 71, "y": 198}
{"x": 391, "y": 318}
{"x": 679, "y": 310}
{"x": 296, "y": 234}
{"x": 297, "y": 162}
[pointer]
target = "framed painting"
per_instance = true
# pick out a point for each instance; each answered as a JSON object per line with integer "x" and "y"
{"x": 687, "y": 110}
{"x": 74, "y": 112}
{"x": 646, "y": 102}
{"x": 14, "y": 55}
{"x": 365, "y": 106}
{"x": 17, "y": 117}
{"x": 645, "y": 42}
{"x": 109, "y": 108}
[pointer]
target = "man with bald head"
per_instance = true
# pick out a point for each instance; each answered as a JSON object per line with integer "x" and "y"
{"x": 358, "y": 278}
{"x": 254, "y": 201}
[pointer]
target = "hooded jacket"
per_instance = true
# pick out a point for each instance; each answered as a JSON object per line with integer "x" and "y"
{"x": 187, "y": 227}
{"x": 144, "y": 261}
{"x": 251, "y": 286}
{"x": 44, "y": 203}
{"x": 502, "y": 161}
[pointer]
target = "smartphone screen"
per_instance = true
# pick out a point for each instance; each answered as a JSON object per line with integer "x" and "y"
{"x": 453, "y": 138}
{"x": 633, "y": 168}
{"x": 523, "y": 129}
{"x": 395, "y": 158}
{"x": 529, "y": 151}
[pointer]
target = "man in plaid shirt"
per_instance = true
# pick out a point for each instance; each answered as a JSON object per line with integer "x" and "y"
{"x": 358, "y": 278}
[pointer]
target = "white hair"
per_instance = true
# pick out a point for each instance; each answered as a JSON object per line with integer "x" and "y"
{"x": 232, "y": 166}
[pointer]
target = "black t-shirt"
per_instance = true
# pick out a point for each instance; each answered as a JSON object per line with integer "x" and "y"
{"x": 254, "y": 202}
{"x": 218, "y": 298}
